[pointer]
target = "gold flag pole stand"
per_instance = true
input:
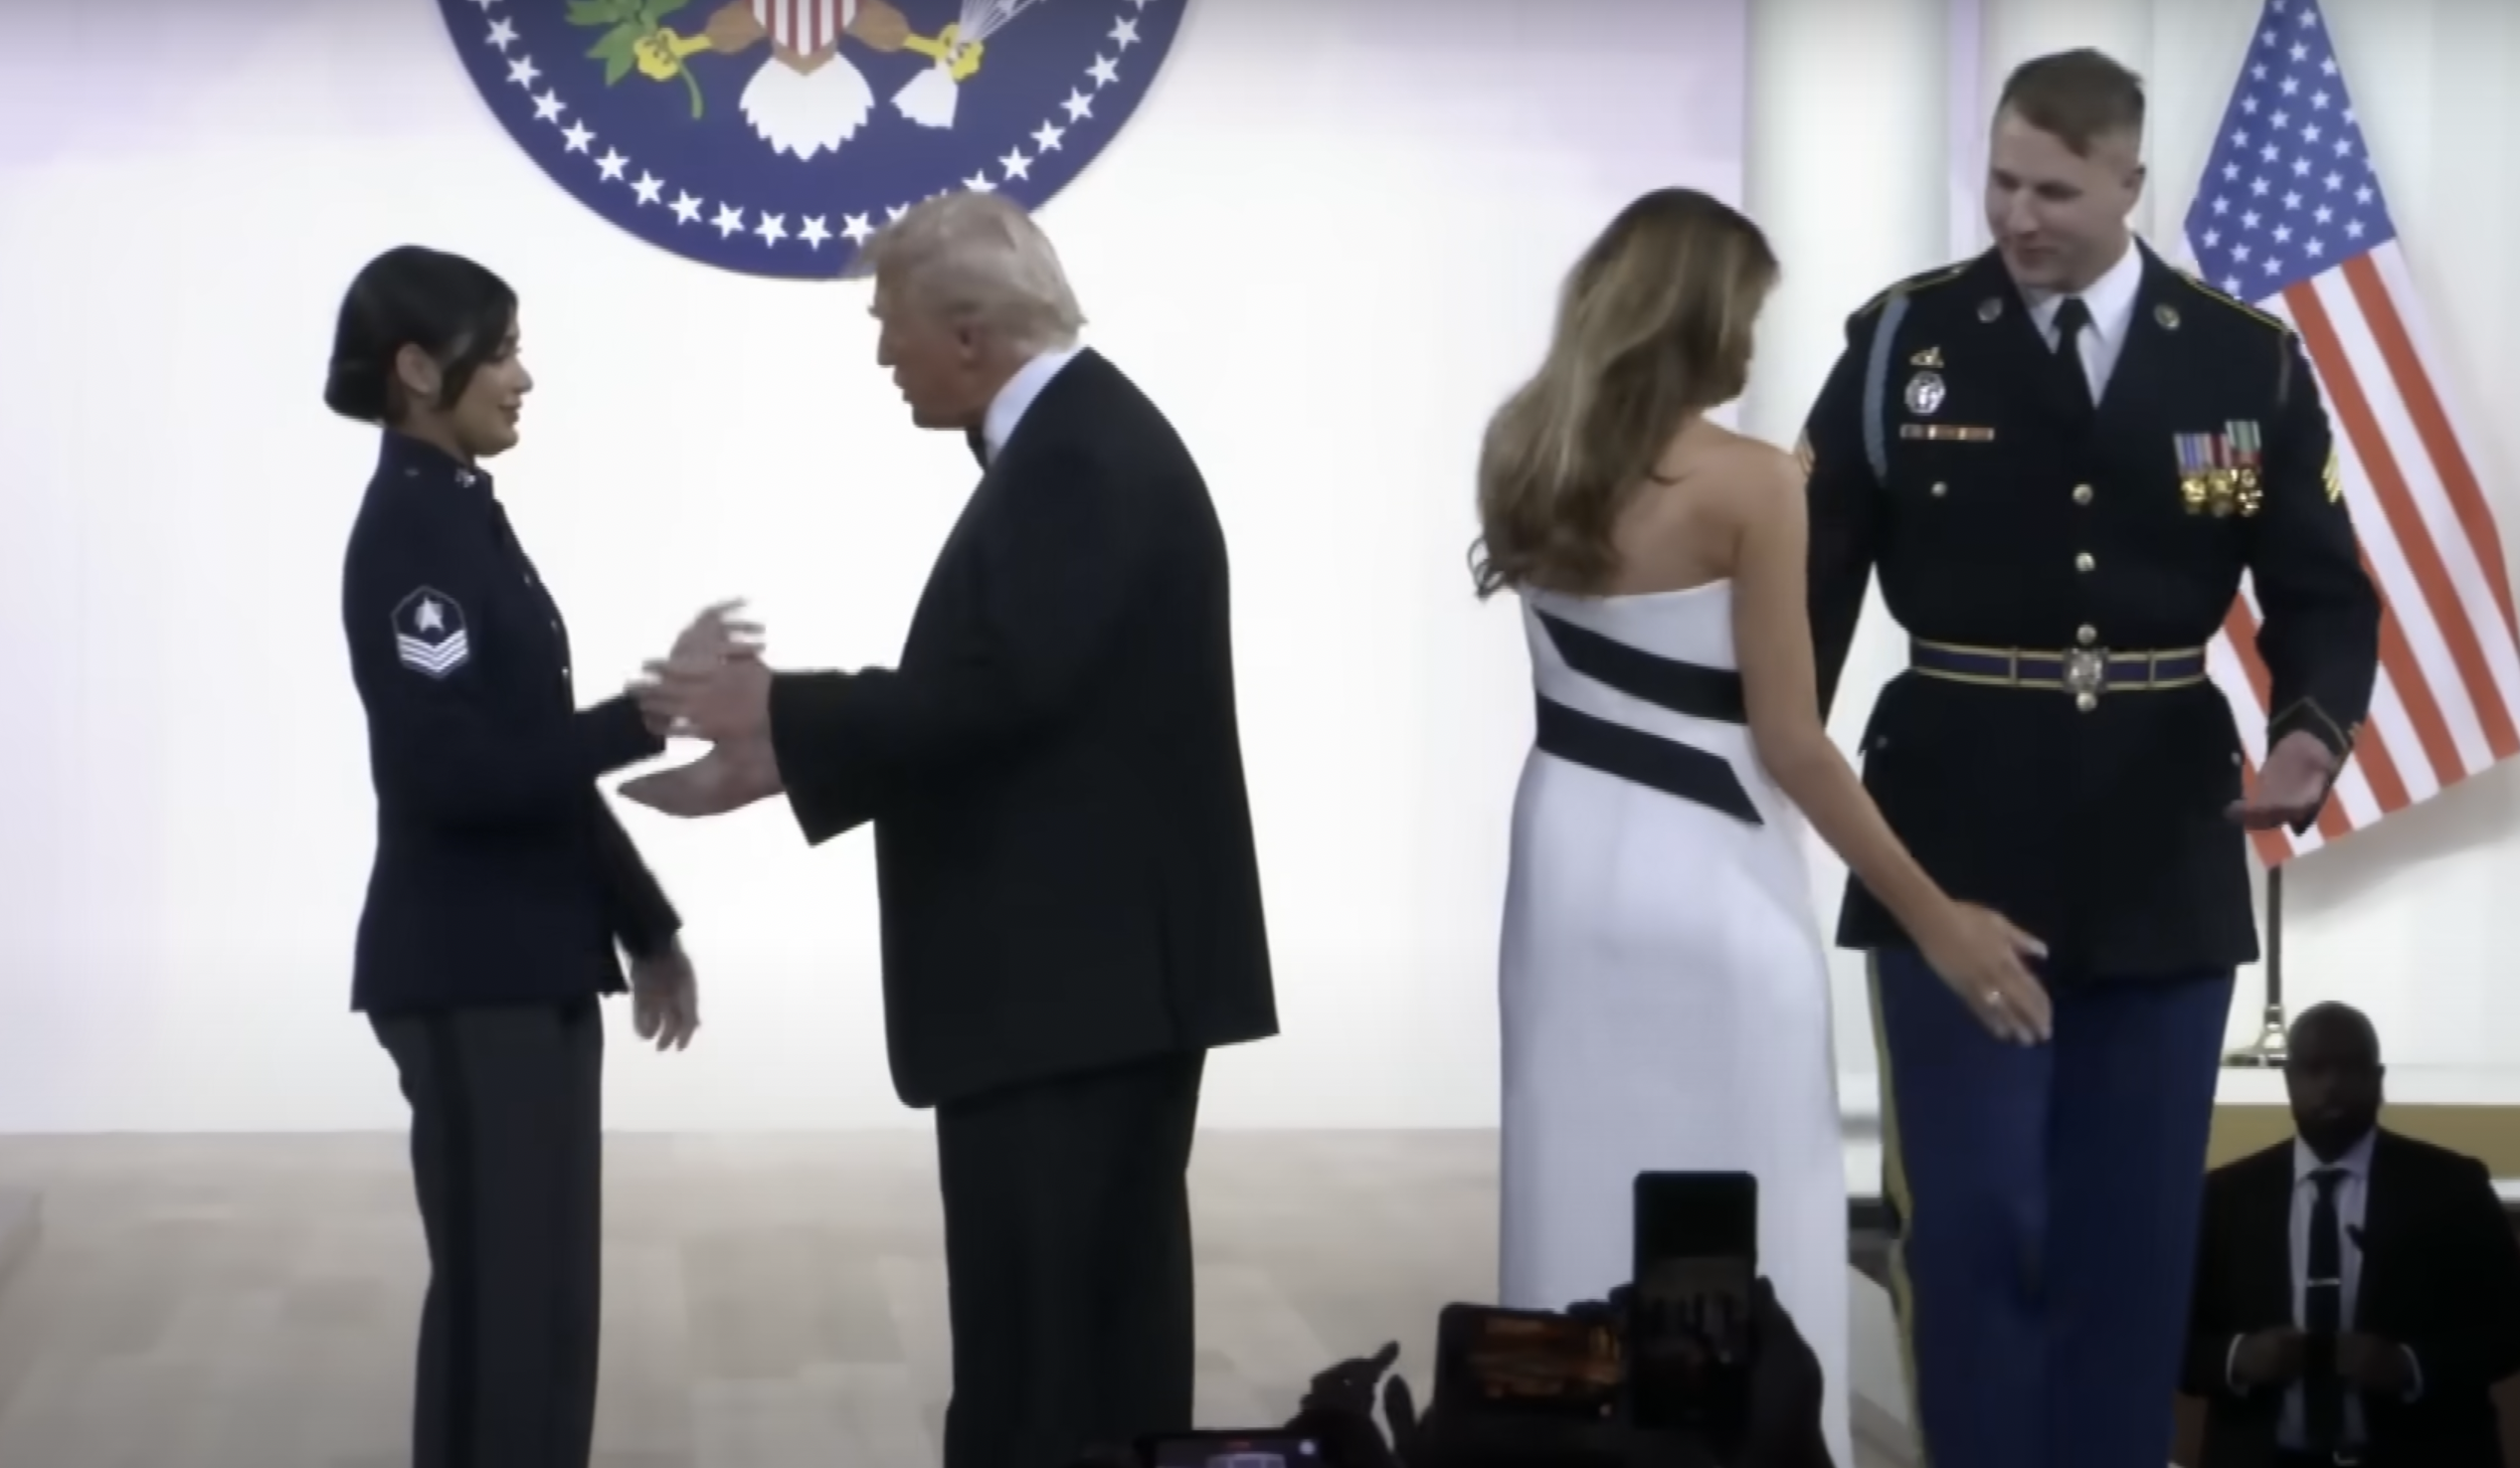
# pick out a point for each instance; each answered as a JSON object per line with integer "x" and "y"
{"x": 2267, "y": 1053}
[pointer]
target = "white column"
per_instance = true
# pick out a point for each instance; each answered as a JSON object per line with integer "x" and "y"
{"x": 2017, "y": 29}
{"x": 1845, "y": 174}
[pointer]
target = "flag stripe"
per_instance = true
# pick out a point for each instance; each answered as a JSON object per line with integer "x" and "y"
{"x": 2474, "y": 706}
{"x": 2347, "y": 404}
{"x": 2387, "y": 310}
{"x": 2455, "y": 586}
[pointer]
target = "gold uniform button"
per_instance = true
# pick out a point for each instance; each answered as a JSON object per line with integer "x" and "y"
{"x": 2084, "y": 562}
{"x": 2085, "y": 636}
{"x": 2081, "y": 494}
{"x": 2086, "y": 701}
{"x": 1939, "y": 489}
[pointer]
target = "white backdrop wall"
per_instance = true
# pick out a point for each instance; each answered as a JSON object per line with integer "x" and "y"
{"x": 1327, "y": 243}
{"x": 2408, "y": 920}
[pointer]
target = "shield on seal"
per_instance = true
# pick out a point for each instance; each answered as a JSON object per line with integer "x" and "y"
{"x": 805, "y": 27}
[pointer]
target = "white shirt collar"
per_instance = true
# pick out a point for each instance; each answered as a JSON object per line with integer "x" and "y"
{"x": 2355, "y": 1162}
{"x": 2110, "y": 299}
{"x": 1007, "y": 408}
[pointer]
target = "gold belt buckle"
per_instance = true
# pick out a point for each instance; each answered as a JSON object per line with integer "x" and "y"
{"x": 2086, "y": 676}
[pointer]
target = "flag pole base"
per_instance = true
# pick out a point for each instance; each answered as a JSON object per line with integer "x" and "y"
{"x": 2268, "y": 1051}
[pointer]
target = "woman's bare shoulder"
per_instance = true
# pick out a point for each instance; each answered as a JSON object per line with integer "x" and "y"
{"x": 1744, "y": 472}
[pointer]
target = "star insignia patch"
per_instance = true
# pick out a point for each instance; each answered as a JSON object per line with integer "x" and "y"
{"x": 429, "y": 634}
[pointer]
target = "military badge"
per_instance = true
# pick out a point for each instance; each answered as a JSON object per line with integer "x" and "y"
{"x": 429, "y": 634}
{"x": 2247, "y": 453}
{"x": 1926, "y": 392}
{"x": 774, "y": 136}
{"x": 2221, "y": 474}
{"x": 2166, "y": 315}
{"x": 1930, "y": 359}
{"x": 2197, "y": 470}
{"x": 1991, "y": 308}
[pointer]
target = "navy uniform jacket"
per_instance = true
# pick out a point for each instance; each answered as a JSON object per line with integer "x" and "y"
{"x": 2002, "y": 522}
{"x": 502, "y": 874}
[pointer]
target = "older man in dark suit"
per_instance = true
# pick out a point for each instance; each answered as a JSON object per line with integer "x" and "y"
{"x": 2357, "y": 1292}
{"x": 1072, "y": 900}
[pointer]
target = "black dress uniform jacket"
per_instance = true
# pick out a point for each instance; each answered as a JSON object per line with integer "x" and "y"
{"x": 502, "y": 874}
{"x": 1063, "y": 842}
{"x": 2006, "y": 517}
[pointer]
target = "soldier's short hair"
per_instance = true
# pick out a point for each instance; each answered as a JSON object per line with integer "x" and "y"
{"x": 2076, "y": 96}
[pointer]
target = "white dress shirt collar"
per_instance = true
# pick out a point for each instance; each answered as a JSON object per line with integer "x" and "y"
{"x": 2354, "y": 1161}
{"x": 1007, "y": 409}
{"x": 2110, "y": 299}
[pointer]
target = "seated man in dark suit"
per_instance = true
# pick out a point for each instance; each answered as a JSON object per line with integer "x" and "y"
{"x": 2357, "y": 1292}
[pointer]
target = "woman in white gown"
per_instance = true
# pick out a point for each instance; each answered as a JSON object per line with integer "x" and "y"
{"x": 1664, "y": 990}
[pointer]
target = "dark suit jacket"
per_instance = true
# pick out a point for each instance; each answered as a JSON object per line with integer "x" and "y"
{"x": 2441, "y": 1276}
{"x": 2009, "y": 519}
{"x": 1062, "y": 839}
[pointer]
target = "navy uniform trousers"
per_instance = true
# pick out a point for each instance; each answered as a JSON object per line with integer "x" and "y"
{"x": 2048, "y": 1200}
{"x": 507, "y": 1157}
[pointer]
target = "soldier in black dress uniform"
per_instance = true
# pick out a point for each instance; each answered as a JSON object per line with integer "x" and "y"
{"x": 503, "y": 881}
{"x": 2061, "y": 457}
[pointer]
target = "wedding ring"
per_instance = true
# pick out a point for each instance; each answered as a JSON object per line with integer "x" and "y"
{"x": 1994, "y": 997}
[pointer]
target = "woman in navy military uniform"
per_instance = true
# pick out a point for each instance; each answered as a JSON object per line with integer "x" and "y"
{"x": 503, "y": 881}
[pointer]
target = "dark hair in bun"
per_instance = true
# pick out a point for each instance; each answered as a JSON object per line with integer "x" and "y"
{"x": 457, "y": 312}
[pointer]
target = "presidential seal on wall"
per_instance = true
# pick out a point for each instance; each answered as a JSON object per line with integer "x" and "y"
{"x": 774, "y": 136}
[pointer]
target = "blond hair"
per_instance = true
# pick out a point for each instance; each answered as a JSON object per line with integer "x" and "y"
{"x": 977, "y": 259}
{"x": 1654, "y": 324}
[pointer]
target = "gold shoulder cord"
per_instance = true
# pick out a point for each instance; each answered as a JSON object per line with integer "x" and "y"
{"x": 1914, "y": 283}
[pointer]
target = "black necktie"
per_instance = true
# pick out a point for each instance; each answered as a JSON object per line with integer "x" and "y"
{"x": 980, "y": 446}
{"x": 2323, "y": 1315}
{"x": 2073, "y": 320}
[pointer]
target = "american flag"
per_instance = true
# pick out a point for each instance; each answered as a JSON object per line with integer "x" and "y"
{"x": 2290, "y": 218}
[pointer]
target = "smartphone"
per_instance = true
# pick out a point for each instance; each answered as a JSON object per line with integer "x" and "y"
{"x": 1688, "y": 1308}
{"x": 1255, "y": 1449}
{"x": 1527, "y": 1362}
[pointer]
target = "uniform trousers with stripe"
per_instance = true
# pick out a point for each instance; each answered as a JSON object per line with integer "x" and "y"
{"x": 507, "y": 1146}
{"x": 2048, "y": 1201}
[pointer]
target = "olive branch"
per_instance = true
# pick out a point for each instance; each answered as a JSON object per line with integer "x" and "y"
{"x": 635, "y": 38}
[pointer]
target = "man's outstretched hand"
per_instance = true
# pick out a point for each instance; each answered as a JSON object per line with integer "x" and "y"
{"x": 2291, "y": 784}
{"x": 727, "y": 778}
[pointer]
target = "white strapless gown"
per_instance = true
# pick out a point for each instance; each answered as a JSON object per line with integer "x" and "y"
{"x": 1663, "y": 985}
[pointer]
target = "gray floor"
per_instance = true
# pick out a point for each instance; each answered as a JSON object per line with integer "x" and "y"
{"x": 20, "y": 1223}
{"x": 774, "y": 1302}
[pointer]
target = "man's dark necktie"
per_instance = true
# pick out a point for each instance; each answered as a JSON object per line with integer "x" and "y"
{"x": 2073, "y": 320}
{"x": 2323, "y": 1315}
{"x": 980, "y": 446}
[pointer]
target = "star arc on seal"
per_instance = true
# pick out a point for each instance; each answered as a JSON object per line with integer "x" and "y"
{"x": 773, "y": 137}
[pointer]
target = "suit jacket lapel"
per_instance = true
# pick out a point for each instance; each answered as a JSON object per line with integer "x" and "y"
{"x": 2272, "y": 1272}
{"x": 1074, "y": 377}
{"x": 2148, "y": 342}
{"x": 2027, "y": 366}
{"x": 2383, "y": 1193}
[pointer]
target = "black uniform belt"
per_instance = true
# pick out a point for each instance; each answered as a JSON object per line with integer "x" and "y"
{"x": 2084, "y": 672}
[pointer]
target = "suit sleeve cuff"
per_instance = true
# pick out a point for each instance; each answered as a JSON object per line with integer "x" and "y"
{"x": 2306, "y": 716}
{"x": 651, "y": 943}
{"x": 618, "y": 736}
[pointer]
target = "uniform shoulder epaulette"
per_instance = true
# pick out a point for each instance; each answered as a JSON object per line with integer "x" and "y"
{"x": 2225, "y": 300}
{"x": 1915, "y": 282}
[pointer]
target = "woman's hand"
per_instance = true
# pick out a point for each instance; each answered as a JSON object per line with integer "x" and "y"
{"x": 1986, "y": 961}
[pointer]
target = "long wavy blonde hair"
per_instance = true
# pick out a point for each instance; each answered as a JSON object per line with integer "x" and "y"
{"x": 1654, "y": 324}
